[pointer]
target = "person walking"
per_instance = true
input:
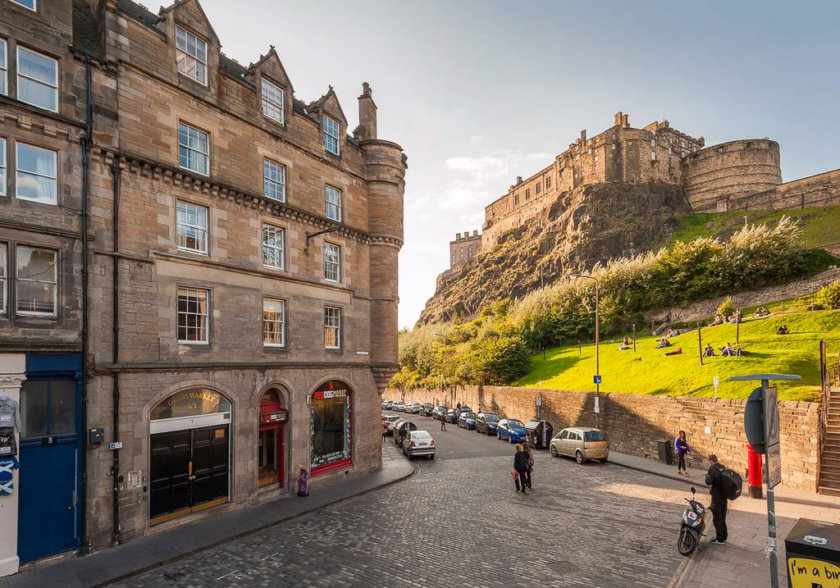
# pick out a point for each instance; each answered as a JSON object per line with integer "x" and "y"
{"x": 718, "y": 506}
{"x": 520, "y": 464}
{"x": 443, "y": 422}
{"x": 529, "y": 455}
{"x": 681, "y": 448}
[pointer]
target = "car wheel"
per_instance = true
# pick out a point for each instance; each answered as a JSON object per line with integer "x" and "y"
{"x": 553, "y": 451}
{"x": 579, "y": 456}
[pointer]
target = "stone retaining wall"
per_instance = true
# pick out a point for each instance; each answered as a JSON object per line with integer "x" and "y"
{"x": 635, "y": 423}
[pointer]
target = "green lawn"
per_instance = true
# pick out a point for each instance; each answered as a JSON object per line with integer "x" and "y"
{"x": 820, "y": 226}
{"x": 649, "y": 371}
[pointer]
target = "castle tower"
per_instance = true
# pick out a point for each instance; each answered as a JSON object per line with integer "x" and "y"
{"x": 386, "y": 165}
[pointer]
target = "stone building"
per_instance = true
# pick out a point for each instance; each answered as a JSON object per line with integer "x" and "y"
{"x": 242, "y": 267}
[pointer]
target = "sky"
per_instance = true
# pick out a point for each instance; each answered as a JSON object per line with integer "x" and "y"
{"x": 480, "y": 91}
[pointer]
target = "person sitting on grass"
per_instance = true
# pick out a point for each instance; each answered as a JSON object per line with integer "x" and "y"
{"x": 783, "y": 330}
{"x": 709, "y": 351}
{"x": 677, "y": 351}
{"x": 727, "y": 350}
{"x": 719, "y": 320}
{"x": 625, "y": 344}
{"x": 740, "y": 352}
{"x": 663, "y": 342}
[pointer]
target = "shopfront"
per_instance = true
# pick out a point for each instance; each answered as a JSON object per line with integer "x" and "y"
{"x": 190, "y": 454}
{"x": 331, "y": 409}
{"x": 272, "y": 441}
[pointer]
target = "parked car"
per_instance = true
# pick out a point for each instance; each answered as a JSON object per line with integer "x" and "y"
{"x": 399, "y": 406}
{"x": 388, "y": 421}
{"x": 412, "y": 408}
{"x": 401, "y": 429}
{"x": 452, "y": 416}
{"x": 582, "y": 443}
{"x": 464, "y": 408}
{"x": 387, "y": 404}
{"x": 466, "y": 420}
{"x": 439, "y": 413}
{"x": 426, "y": 409}
{"x": 419, "y": 443}
{"x": 486, "y": 422}
{"x": 511, "y": 429}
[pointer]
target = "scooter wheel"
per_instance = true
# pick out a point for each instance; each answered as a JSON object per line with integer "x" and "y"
{"x": 687, "y": 542}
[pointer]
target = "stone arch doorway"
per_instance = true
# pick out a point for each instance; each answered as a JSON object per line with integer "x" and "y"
{"x": 271, "y": 462}
{"x": 189, "y": 467}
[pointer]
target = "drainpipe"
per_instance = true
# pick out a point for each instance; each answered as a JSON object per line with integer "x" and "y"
{"x": 116, "y": 174}
{"x": 86, "y": 142}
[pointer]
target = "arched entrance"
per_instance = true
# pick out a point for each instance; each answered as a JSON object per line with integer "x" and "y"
{"x": 272, "y": 445}
{"x": 190, "y": 453}
{"x": 331, "y": 427}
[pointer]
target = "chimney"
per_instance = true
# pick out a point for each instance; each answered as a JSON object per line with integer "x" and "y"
{"x": 619, "y": 119}
{"x": 475, "y": 233}
{"x": 457, "y": 236}
{"x": 625, "y": 120}
{"x": 367, "y": 114}
{"x": 518, "y": 180}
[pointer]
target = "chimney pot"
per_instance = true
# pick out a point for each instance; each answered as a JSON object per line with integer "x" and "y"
{"x": 518, "y": 180}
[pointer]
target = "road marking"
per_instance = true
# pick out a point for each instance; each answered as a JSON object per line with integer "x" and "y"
{"x": 226, "y": 575}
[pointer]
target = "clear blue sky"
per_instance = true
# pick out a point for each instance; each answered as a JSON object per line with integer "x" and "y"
{"x": 480, "y": 91}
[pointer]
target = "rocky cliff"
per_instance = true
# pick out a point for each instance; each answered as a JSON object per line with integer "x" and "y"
{"x": 581, "y": 228}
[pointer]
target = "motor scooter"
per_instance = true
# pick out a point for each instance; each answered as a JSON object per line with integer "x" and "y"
{"x": 693, "y": 525}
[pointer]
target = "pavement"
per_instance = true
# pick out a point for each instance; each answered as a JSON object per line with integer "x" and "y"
{"x": 458, "y": 520}
{"x": 141, "y": 555}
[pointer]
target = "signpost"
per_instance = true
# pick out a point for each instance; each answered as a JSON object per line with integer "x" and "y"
{"x": 763, "y": 408}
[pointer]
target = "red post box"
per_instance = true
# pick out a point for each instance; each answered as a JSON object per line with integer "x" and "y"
{"x": 754, "y": 472}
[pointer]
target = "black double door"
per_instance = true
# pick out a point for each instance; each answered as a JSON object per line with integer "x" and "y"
{"x": 189, "y": 471}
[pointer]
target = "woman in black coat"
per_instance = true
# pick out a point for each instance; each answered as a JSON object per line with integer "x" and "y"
{"x": 520, "y": 464}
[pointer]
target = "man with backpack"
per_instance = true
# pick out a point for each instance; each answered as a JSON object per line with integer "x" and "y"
{"x": 725, "y": 485}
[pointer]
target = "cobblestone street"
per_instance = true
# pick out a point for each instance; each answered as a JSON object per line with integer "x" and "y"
{"x": 458, "y": 521}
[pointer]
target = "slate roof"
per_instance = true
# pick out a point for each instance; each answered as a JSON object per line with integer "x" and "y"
{"x": 140, "y": 14}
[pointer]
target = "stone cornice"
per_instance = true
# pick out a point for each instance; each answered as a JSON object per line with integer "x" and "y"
{"x": 11, "y": 381}
{"x": 36, "y": 120}
{"x": 182, "y": 178}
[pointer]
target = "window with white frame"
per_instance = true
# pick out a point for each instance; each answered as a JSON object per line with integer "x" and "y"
{"x": 332, "y": 262}
{"x": 4, "y": 67}
{"x": 333, "y": 201}
{"x": 30, "y": 4}
{"x": 192, "y": 227}
{"x": 37, "y": 79}
{"x": 36, "y": 288}
{"x": 192, "y": 315}
{"x": 4, "y": 277}
{"x": 332, "y": 327}
{"x": 331, "y": 130}
{"x": 274, "y": 322}
{"x": 273, "y": 247}
{"x": 193, "y": 149}
{"x": 35, "y": 174}
{"x": 272, "y": 100}
{"x": 191, "y": 55}
{"x": 274, "y": 180}
{"x": 2, "y": 166}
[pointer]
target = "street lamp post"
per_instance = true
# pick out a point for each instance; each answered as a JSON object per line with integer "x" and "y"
{"x": 597, "y": 341}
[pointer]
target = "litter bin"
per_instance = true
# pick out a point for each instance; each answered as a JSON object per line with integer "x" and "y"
{"x": 812, "y": 549}
{"x": 666, "y": 452}
{"x": 539, "y": 433}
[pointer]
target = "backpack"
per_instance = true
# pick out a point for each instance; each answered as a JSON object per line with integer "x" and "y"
{"x": 730, "y": 484}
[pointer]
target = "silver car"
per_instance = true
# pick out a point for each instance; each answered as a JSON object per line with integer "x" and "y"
{"x": 412, "y": 408}
{"x": 399, "y": 406}
{"x": 582, "y": 443}
{"x": 419, "y": 443}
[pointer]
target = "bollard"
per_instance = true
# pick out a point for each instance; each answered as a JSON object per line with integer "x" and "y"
{"x": 754, "y": 472}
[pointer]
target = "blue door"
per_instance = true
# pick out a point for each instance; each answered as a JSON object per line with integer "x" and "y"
{"x": 50, "y": 459}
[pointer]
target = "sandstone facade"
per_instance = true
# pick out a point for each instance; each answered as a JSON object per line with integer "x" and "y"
{"x": 242, "y": 251}
{"x": 636, "y": 423}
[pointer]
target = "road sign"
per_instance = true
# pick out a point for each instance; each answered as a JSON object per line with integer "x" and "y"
{"x": 597, "y": 379}
{"x": 597, "y": 405}
{"x": 774, "y": 466}
{"x": 771, "y": 437}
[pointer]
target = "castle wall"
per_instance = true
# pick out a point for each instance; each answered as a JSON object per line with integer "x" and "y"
{"x": 730, "y": 170}
{"x": 819, "y": 190}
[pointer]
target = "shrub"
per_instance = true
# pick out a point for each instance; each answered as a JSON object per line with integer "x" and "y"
{"x": 829, "y": 297}
{"x": 726, "y": 308}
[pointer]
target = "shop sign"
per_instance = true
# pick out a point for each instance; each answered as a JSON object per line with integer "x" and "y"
{"x": 281, "y": 416}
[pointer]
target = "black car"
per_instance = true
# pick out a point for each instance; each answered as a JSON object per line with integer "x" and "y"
{"x": 426, "y": 409}
{"x": 486, "y": 422}
{"x": 439, "y": 413}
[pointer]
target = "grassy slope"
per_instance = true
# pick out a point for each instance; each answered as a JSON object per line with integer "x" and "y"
{"x": 682, "y": 375}
{"x": 820, "y": 226}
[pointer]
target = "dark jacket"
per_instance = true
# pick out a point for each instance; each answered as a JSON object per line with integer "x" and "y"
{"x": 713, "y": 480}
{"x": 520, "y": 461}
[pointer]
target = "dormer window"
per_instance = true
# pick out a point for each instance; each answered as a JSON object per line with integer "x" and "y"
{"x": 331, "y": 130}
{"x": 191, "y": 55}
{"x": 272, "y": 100}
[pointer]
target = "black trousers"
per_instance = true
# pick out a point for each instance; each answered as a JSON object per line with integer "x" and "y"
{"x": 681, "y": 462}
{"x": 442, "y": 425}
{"x": 718, "y": 509}
{"x": 526, "y": 478}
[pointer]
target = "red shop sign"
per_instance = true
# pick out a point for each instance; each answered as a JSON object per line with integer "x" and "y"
{"x": 281, "y": 416}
